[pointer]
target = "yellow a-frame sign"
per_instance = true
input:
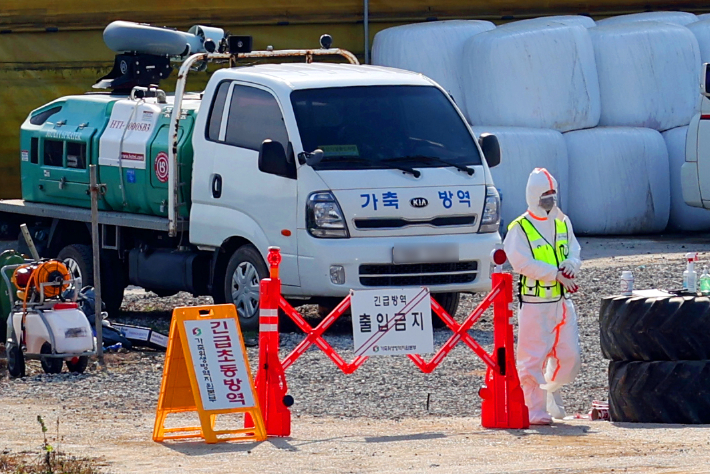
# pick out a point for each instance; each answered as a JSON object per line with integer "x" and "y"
{"x": 207, "y": 371}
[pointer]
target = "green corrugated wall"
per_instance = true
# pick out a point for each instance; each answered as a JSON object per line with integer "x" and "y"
{"x": 50, "y": 48}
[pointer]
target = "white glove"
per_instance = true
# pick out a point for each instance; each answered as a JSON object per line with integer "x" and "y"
{"x": 569, "y": 284}
{"x": 568, "y": 269}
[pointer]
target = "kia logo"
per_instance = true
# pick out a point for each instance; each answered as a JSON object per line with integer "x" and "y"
{"x": 419, "y": 202}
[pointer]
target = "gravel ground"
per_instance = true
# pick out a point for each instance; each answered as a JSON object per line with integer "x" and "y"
{"x": 385, "y": 387}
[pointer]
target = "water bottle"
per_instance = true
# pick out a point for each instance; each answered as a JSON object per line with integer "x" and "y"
{"x": 627, "y": 283}
{"x": 690, "y": 276}
{"x": 705, "y": 282}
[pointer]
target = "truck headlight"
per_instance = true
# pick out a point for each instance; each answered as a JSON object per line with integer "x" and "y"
{"x": 491, "y": 211}
{"x": 324, "y": 218}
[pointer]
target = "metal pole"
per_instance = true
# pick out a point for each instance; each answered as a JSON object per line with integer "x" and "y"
{"x": 366, "y": 22}
{"x": 98, "y": 319}
{"x": 30, "y": 243}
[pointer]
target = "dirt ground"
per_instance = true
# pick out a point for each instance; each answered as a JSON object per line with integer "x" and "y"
{"x": 121, "y": 440}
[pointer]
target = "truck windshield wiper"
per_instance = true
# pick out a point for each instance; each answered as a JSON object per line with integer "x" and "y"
{"x": 424, "y": 158}
{"x": 359, "y": 159}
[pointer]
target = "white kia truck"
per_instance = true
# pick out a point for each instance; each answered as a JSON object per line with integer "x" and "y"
{"x": 364, "y": 177}
{"x": 695, "y": 172}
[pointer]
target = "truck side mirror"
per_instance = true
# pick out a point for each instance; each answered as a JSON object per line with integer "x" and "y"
{"x": 705, "y": 86}
{"x": 491, "y": 149}
{"x": 272, "y": 160}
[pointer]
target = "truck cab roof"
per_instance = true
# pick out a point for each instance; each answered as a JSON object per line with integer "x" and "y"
{"x": 319, "y": 75}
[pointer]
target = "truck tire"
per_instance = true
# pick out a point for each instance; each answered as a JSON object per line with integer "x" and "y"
{"x": 448, "y": 301}
{"x": 50, "y": 365}
{"x": 660, "y": 392}
{"x": 244, "y": 272}
{"x": 648, "y": 329}
{"x": 79, "y": 259}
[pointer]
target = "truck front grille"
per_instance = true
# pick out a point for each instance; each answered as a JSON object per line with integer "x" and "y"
{"x": 418, "y": 274}
{"x": 397, "y": 223}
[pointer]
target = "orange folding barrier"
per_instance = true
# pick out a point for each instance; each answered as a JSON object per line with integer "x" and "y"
{"x": 503, "y": 403}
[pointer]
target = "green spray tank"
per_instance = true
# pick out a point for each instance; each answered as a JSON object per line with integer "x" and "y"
{"x": 125, "y": 133}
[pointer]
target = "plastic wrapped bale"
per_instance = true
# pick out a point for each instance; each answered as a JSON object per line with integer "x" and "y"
{"x": 522, "y": 150}
{"x": 618, "y": 181}
{"x": 701, "y": 30}
{"x": 677, "y": 18}
{"x": 433, "y": 49}
{"x": 704, "y": 16}
{"x": 683, "y": 216}
{"x": 648, "y": 74}
{"x": 585, "y": 21}
{"x": 538, "y": 74}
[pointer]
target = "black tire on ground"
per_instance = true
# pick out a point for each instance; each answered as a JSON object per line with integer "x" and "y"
{"x": 660, "y": 392}
{"x": 15, "y": 361}
{"x": 244, "y": 271}
{"x": 80, "y": 365}
{"x": 448, "y": 301}
{"x": 50, "y": 365}
{"x": 648, "y": 329}
{"x": 80, "y": 261}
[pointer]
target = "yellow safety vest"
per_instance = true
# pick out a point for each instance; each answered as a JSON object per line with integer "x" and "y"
{"x": 542, "y": 250}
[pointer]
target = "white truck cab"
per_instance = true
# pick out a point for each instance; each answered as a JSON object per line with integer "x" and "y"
{"x": 401, "y": 196}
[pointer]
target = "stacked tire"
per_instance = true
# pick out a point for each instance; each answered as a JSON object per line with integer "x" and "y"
{"x": 660, "y": 358}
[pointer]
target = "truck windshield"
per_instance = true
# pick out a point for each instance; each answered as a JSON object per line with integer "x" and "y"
{"x": 383, "y": 127}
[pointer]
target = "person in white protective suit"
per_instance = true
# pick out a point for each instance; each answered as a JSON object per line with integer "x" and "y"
{"x": 542, "y": 248}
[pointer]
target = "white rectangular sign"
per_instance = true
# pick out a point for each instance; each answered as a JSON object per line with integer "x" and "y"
{"x": 128, "y": 134}
{"x": 220, "y": 368}
{"x": 392, "y": 321}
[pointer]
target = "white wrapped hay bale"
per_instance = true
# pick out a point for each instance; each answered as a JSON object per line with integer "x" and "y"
{"x": 582, "y": 20}
{"x": 618, "y": 181}
{"x": 648, "y": 74}
{"x": 433, "y": 49}
{"x": 701, "y": 30}
{"x": 537, "y": 74}
{"x": 677, "y": 18}
{"x": 522, "y": 150}
{"x": 704, "y": 16}
{"x": 683, "y": 217}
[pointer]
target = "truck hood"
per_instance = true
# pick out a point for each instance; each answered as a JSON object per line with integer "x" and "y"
{"x": 391, "y": 203}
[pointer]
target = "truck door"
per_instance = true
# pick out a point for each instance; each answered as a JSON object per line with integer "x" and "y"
{"x": 260, "y": 207}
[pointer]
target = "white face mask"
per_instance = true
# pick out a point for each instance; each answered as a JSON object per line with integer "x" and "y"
{"x": 548, "y": 202}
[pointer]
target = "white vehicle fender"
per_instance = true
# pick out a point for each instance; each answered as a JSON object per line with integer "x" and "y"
{"x": 225, "y": 223}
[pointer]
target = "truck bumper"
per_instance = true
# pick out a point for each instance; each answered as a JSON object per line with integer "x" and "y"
{"x": 368, "y": 264}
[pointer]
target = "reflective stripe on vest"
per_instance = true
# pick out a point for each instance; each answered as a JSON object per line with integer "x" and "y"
{"x": 544, "y": 252}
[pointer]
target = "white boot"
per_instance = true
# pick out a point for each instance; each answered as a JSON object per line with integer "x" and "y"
{"x": 535, "y": 401}
{"x": 555, "y": 405}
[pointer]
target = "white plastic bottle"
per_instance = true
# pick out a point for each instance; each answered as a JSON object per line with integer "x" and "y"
{"x": 627, "y": 283}
{"x": 690, "y": 276}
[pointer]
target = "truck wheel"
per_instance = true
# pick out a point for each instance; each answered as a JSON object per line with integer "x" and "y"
{"x": 448, "y": 301}
{"x": 79, "y": 259}
{"x": 660, "y": 391}
{"x": 15, "y": 361}
{"x": 50, "y": 365}
{"x": 647, "y": 329}
{"x": 244, "y": 272}
{"x": 79, "y": 367}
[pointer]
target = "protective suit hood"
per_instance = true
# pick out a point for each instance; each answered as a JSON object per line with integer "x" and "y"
{"x": 539, "y": 182}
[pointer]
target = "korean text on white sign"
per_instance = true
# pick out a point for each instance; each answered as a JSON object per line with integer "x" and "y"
{"x": 392, "y": 321}
{"x": 219, "y": 364}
